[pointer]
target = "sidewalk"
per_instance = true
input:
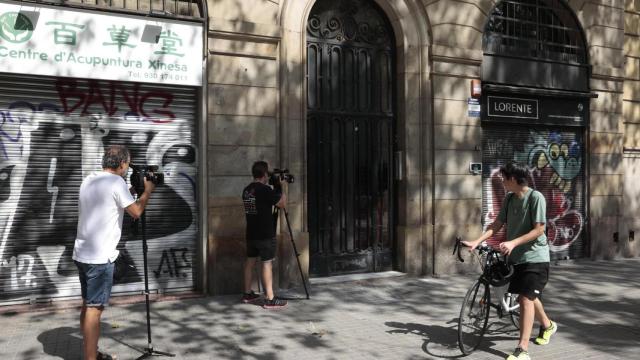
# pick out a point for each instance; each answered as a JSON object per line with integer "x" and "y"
{"x": 596, "y": 304}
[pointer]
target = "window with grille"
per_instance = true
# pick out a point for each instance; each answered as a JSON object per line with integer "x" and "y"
{"x": 539, "y": 29}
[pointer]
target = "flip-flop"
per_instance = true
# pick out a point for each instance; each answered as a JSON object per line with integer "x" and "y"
{"x": 103, "y": 356}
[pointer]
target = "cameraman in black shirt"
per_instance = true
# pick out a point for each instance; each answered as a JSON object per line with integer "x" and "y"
{"x": 259, "y": 199}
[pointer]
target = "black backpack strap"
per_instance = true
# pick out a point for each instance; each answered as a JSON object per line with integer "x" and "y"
{"x": 506, "y": 207}
{"x": 531, "y": 216}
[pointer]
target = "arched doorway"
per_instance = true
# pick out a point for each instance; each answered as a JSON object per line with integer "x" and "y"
{"x": 350, "y": 137}
{"x": 535, "y": 101}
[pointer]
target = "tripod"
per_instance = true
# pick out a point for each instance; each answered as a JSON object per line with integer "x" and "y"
{"x": 295, "y": 249}
{"x": 148, "y": 351}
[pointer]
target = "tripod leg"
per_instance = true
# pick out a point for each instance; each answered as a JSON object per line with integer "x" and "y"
{"x": 295, "y": 250}
{"x": 146, "y": 277}
{"x": 149, "y": 351}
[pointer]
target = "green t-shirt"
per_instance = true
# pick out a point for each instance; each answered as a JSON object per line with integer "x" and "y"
{"x": 520, "y": 219}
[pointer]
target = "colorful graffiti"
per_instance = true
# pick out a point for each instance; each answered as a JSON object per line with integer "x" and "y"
{"x": 48, "y": 147}
{"x": 555, "y": 163}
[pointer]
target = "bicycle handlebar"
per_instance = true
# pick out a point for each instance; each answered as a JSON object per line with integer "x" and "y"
{"x": 482, "y": 248}
{"x": 457, "y": 247}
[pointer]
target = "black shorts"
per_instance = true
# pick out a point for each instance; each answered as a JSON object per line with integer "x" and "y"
{"x": 265, "y": 249}
{"x": 529, "y": 279}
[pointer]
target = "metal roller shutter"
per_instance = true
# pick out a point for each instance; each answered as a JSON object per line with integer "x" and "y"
{"x": 555, "y": 157}
{"x": 53, "y": 132}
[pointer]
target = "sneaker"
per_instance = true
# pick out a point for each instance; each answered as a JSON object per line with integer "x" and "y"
{"x": 545, "y": 334}
{"x": 274, "y": 303}
{"x": 249, "y": 297}
{"x": 519, "y": 354}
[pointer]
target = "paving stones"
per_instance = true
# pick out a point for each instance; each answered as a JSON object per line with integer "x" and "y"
{"x": 596, "y": 305}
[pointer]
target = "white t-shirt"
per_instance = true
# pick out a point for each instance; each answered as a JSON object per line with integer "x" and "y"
{"x": 103, "y": 198}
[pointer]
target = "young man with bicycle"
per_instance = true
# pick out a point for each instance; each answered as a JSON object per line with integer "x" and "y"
{"x": 524, "y": 212}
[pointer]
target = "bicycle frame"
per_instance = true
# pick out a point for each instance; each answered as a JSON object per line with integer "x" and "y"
{"x": 470, "y": 332}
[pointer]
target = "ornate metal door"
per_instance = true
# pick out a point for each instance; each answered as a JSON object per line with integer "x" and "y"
{"x": 350, "y": 128}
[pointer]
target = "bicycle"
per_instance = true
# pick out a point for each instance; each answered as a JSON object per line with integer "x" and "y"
{"x": 476, "y": 306}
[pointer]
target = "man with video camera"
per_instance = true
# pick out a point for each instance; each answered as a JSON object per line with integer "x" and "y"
{"x": 104, "y": 196}
{"x": 259, "y": 199}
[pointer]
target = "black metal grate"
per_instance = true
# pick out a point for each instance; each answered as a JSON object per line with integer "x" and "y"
{"x": 351, "y": 124}
{"x": 541, "y": 29}
{"x": 175, "y": 9}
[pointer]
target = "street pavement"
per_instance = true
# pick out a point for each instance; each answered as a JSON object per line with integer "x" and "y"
{"x": 595, "y": 303}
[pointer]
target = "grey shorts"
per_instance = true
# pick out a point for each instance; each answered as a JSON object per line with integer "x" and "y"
{"x": 265, "y": 249}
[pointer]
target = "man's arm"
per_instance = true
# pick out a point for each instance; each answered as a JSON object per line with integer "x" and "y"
{"x": 283, "y": 200}
{"x": 137, "y": 208}
{"x": 508, "y": 246}
{"x": 492, "y": 229}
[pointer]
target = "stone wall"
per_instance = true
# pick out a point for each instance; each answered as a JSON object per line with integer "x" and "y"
{"x": 257, "y": 110}
{"x": 630, "y": 223}
{"x": 603, "y": 23}
{"x": 457, "y": 28}
{"x": 243, "y": 123}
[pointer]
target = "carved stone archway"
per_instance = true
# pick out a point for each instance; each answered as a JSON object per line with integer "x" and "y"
{"x": 412, "y": 31}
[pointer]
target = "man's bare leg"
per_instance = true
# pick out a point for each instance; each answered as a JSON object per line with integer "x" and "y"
{"x": 249, "y": 265}
{"x": 527, "y": 313}
{"x": 540, "y": 314}
{"x": 90, "y": 325}
{"x": 267, "y": 279}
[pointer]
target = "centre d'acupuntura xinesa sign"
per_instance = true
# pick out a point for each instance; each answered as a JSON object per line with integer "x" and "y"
{"x": 43, "y": 40}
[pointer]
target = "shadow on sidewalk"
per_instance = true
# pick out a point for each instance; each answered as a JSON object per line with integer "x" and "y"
{"x": 64, "y": 342}
{"x": 442, "y": 341}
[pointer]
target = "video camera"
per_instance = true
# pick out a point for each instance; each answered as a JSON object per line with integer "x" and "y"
{"x": 150, "y": 172}
{"x": 278, "y": 175}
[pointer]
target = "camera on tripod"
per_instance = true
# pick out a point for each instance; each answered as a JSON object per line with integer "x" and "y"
{"x": 278, "y": 175}
{"x": 150, "y": 172}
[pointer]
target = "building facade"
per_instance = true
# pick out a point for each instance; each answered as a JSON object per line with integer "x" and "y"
{"x": 392, "y": 115}
{"x": 293, "y": 82}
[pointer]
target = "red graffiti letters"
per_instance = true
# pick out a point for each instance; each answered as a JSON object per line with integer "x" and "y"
{"x": 91, "y": 96}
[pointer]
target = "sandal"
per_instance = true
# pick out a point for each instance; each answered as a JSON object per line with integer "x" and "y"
{"x": 103, "y": 356}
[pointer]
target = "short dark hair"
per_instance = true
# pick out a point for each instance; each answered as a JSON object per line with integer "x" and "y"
{"x": 114, "y": 156}
{"x": 515, "y": 170}
{"x": 259, "y": 169}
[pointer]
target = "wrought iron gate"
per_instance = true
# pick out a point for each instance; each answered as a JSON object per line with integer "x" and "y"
{"x": 350, "y": 128}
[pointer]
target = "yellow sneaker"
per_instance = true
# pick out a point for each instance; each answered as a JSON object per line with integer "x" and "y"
{"x": 545, "y": 334}
{"x": 519, "y": 354}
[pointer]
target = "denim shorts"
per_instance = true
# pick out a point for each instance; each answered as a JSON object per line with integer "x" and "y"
{"x": 95, "y": 282}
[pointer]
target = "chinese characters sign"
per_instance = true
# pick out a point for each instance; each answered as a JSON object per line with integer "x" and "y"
{"x": 50, "y": 41}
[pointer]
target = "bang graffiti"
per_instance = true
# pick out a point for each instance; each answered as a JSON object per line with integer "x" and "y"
{"x": 54, "y": 136}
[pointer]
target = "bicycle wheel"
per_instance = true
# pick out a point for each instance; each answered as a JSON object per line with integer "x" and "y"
{"x": 515, "y": 318}
{"x": 474, "y": 316}
{"x": 514, "y": 314}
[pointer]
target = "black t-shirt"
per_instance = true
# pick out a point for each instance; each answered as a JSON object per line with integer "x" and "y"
{"x": 258, "y": 200}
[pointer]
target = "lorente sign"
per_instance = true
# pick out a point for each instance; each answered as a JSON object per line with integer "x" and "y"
{"x": 49, "y": 41}
{"x": 512, "y": 107}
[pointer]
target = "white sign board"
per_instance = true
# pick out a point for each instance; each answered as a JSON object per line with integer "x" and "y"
{"x": 473, "y": 108}
{"x": 84, "y": 44}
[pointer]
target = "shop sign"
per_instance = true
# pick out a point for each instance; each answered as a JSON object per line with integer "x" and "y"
{"x": 51, "y": 41}
{"x": 512, "y": 107}
{"x": 473, "y": 108}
